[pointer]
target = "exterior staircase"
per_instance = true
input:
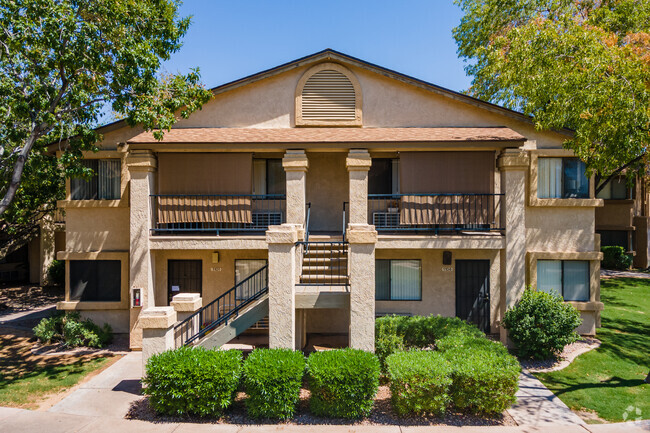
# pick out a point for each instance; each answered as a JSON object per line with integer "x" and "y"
{"x": 325, "y": 264}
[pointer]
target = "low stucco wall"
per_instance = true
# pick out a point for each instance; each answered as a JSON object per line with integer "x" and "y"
{"x": 216, "y": 277}
{"x": 438, "y": 285}
{"x": 118, "y": 319}
{"x": 589, "y": 323}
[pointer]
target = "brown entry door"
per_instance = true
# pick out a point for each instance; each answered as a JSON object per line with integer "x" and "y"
{"x": 184, "y": 276}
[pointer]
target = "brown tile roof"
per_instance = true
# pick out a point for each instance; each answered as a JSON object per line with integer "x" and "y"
{"x": 330, "y": 135}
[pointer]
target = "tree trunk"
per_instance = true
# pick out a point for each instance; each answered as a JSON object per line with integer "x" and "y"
{"x": 17, "y": 174}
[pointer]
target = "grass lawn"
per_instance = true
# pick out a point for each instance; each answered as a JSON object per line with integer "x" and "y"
{"x": 27, "y": 379}
{"x": 610, "y": 379}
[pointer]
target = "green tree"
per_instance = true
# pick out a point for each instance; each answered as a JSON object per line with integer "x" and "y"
{"x": 62, "y": 64}
{"x": 583, "y": 65}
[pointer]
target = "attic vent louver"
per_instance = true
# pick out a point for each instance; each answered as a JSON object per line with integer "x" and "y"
{"x": 328, "y": 95}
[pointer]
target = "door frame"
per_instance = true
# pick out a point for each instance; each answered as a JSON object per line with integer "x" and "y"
{"x": 486, "y": 316}
{"x": 169, "y": 279}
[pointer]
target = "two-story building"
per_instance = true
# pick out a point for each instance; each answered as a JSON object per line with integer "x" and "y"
{"x": 325, "y": 192}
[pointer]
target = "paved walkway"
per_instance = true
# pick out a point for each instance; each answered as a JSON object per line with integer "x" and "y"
{"x": 26, "y": 319}
{"x": 611, "y": 273}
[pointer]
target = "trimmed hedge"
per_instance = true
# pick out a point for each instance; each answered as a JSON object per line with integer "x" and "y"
{"x": 73, "y": 331}
{"x": 470, "y": 343}
{"x": 614, "y": 257}
{"x": 485, "y": 378}
{"x": 419, "y": 382}
{"x": 272, "y": 379}
{"x": 193, "y": 381}
{"x": 541, "y": 324}
{"x": 396, "y": 333}
{"x": 343, "y": 382}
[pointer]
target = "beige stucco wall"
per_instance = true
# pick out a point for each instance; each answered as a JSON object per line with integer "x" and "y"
{"x": 96, "y": 229}
{"x": 328, "y": 321}
{"x": 615, "y": 213}
{"x": 559, "y": 228}
{"x": 216, "y": 277}
{"x": 438, "y": 285}
{"x": 117, "y": 319}
{"x": 327, "y": 189}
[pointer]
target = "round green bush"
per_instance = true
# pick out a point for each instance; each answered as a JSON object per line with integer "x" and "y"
{"x": 193, "y": 381}
{"x": 419, "y": 382}
{"x": 541, "y": 324}
{"x": 73, "y": 331}
{"x": 614, "y": 257}
{"x": 272, "y": 380}
{"x": 343, "y": 382}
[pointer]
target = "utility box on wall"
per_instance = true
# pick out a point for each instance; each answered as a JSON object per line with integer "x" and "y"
{"x": 136, "y": 297}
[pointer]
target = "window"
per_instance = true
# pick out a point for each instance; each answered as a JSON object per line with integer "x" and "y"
{"x": 618, "y": 238}
{"x": 398, "y": 280}
{"x": 562, "y": 178}
{"x": 105, "y": 183}
{"x": 569, "y": 278}
{"x": 244, "y": 269}
{"x": 383, "y": 177}
{"x": 268, "y": 177}
{"x": 95, "y": 280}
{"x": 615, "y": 189}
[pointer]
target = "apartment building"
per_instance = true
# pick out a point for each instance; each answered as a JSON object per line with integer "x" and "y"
{"x": 315, "y": 196}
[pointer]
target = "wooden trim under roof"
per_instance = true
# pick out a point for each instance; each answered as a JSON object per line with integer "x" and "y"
{"x": 330, "y": 135}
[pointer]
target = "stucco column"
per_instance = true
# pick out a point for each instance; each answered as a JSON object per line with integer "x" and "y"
{"x": 295, "y": 165}
{"x": 157, "y": 325}
{"x": 47, "y": 247}
{"x": 282, "y": 280}
{"x": 362, "y": 239}
{"x": 358, "y": 163}
{"x": 513, "y": 164}
{"x": 142, "y": 165}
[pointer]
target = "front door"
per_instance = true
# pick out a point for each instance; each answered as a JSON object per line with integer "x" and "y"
{"x": 473, "y": 292}
{"x": 183, "y": 276}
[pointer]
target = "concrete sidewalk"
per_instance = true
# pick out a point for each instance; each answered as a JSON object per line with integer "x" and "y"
{"x": 26, "y": 421}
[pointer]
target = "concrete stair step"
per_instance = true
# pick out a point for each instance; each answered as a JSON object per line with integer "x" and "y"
{"x": 331, "y": 279}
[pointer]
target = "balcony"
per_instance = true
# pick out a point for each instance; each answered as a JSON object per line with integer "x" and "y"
{"x": 214, "y": 215}
{"x": 435, "y": 213}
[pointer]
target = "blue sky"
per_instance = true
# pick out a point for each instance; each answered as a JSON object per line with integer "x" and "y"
{"x": 231, "y": 39}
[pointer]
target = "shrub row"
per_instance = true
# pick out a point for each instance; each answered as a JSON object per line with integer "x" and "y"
{"x": 195, "y": 381}
{"x": 615, "y": 257}
{"x": 472, "y": 373}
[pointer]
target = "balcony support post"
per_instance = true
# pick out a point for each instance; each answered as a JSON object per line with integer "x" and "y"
{"x": 142, "y": 166}
{"x": 282, "y": 291}
{"x": 295, "y": 165}
{"x": 358, "y": 163}
{"x": 513, "y": 164}
{"x": 362, "y": 239}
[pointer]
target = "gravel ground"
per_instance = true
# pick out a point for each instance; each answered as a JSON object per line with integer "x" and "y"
{"x": 381, "y": 414}
{"x": 561, "y": 361}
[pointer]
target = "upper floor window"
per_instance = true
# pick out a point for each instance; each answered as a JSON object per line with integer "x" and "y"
{"x": 269, "y": 177}
{"x": 105, "y": 183}
{"x": 615, "y": 189}
{"x": 562, "y": 178}
{"x": 328, "y": 94}
{"x": 383, "y": 177}
{"x": 569, "y": 278}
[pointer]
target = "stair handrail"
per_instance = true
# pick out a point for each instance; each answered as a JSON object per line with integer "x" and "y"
{"x": 344, "y": 205}
{"x": 230, "y": 313}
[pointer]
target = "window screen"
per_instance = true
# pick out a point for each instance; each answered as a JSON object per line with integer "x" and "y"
{"x": 103, "y": 185}
{"x": 95, "y": 280}
{"x": 398, "y": 280}
{"x": 268, "y": 177}
{"x": 380, "y": 176}
{"x": 244, "y": 269}
{"x": 569, "y": 278}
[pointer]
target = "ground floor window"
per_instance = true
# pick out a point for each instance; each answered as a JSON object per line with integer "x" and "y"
{"x": 95, "y": 280}
{"x": 569, "y": 278}
{"x": 398, "y": 280}
{"x": 244, "y": 268}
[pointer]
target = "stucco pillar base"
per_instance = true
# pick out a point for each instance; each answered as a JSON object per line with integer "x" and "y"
{"x": 186, "y": 304}
{"x": 295, "y": 164}
{"x": 157, "y": 325}
{"x": 358, "y": 163}
{"x": 513, "y": 164}
{"x": 282, "y": 280}
{"x": 362, "y": 239}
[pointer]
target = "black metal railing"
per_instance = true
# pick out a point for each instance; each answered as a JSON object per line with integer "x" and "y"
{"x": 216, "y": 213}
{"x": 324, "y": 263}
{"x": 435, "y": 212}
{"x": 345, "y": 219}
{"x": 223, "y": 309}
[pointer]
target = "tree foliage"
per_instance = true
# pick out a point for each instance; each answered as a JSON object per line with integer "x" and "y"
{"x": 62, "y": 64}
{"x": 578, "y": 64}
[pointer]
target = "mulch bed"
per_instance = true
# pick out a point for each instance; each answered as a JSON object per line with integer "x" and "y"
{"x": 382, "y": 414}
{"x": 563, "y": 359}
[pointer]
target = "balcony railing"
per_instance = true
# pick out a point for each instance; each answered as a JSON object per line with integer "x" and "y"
{"x": 214, "y": 214}
{"x": 435, "y": 212}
